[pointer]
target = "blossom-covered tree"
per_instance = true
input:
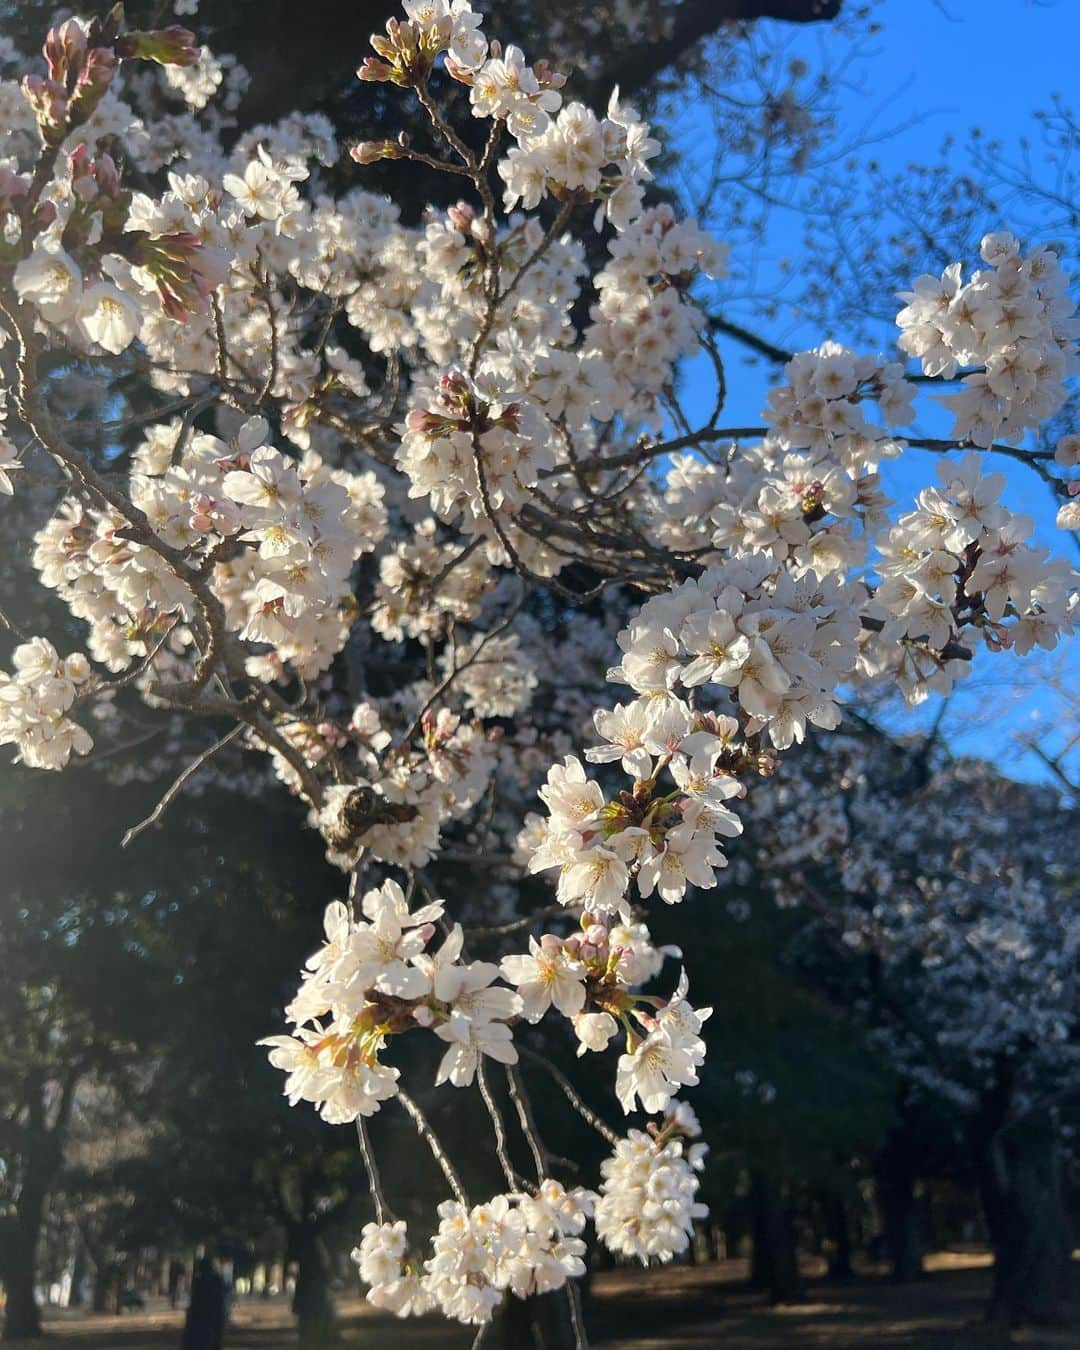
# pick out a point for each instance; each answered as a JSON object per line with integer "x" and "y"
{"x": 382, "y": 503}
{"x": 955, "y": 890}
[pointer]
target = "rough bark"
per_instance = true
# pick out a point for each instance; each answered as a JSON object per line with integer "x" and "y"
{"x": 1020, "y": 1185}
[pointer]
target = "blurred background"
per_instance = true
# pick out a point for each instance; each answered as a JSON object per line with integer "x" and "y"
{"x": 862, "y": 1130}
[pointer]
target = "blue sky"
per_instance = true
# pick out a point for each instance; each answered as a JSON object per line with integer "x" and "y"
{"x": 933, "y": 69}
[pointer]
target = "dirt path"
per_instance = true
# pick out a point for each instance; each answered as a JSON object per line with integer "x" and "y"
{"x": 683, "y": 1308}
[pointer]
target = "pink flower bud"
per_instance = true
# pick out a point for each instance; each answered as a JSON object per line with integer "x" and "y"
{"x": 80, "y": 161}
{"x": 96, "y": 75}
{"x": 107, "y": 175}
{"x": 65, "y": 49}
{"x": 461, "y": 216}
{"x": 367, "y": 152}
{"x": 375, "y": 71}
{"x": 419, "y": 419}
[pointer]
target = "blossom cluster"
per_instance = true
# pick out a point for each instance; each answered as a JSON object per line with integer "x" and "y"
{"x": 646, "y": 1207}
{"x": 376, "y": 978}
{"x": 524, "y": 1243}
{"x": 401, "y": 795}
{"x": 276, "y": 540}
{"x": 1014, "y": 320}
{"x": 780, "y": 644}
{"x": 35, "y": 700}
{"x": 960, "y": 563}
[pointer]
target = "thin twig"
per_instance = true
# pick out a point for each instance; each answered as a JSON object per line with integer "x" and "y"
{"x": 577, "y": 1319}
{"x": 499, "y": 1125}
{"x": 585, "y": 1112}
{"x": 428, "y": 1135}
{"x": 528, "y": 1125}
{"x": 11, "y": 626}
{"x": 174, "y": 788}
{"x": 382, "y": 1210}
{"x": 514, "y": 925}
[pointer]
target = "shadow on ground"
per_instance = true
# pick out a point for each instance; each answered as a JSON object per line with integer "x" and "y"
{"x": 680, "y": 1308}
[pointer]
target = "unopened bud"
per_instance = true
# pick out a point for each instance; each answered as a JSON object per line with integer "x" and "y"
{"x": 461, "y": 216}
{"x": 367, "y": 152}
{"x": 374, "y": 71}
{"x": 65, "y": 51}
{"x": 107, "y": 176}
{"x": 96, "y": 75}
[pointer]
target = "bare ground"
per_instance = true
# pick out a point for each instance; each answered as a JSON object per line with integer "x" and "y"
{"x": 681, "y": 1308}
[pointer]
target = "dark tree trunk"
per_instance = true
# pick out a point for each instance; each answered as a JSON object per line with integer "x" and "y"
{"x": 313, "y": 1303}
{"x": 1020, "y": 1185}
{"x": 79, "y": 1267}
{"x": 104, "y": 1287}
{"x": 840, "y": 1267}
{"x": 22, "y": 1318}
{"x": 42, "y": 1154}
{"x": 775, "y": 1265}
{"x": 896, "y": 1175}
{"x": 540, "y": 1321}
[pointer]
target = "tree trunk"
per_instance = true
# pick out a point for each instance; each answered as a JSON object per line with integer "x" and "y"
{"x": 538, "y": 1323}
{"x": 1020, "y": 1185}
{"x": 104, "y": 1279}
{"x": 895, "y": 1178}
{"x": 775, "y": 1265}
{"x": 79, "y": 1267}
{"x": 313, "y": 1303}
{"x": 22, "y": 1319}
{"x": 840, "y": 1267}
{"x": 19, "y": 1241}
